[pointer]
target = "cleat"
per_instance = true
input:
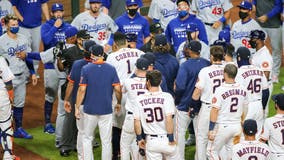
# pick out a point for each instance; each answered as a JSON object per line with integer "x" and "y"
{"x": 48, "y": 128}
{"x": 96, "y": 144}
{"x": 21, "y": 133}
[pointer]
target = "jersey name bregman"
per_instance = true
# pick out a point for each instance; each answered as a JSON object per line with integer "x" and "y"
{"x": 247, "y": 150}
{"x": 151, "y": 101}
{"x": 252, "y": 73}
{"x": 126, "y": 55}
{"x": 232, "y": 92}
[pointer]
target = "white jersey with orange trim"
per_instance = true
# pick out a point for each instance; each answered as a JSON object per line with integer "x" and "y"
{"x": 273, "y": 132}
{"x": 124, "y": 61}
{"x": 209, "y": 78}
{"x": 230, "y": 99}
{"x": 133, "y": 87}
{"x": 253, "y": 79}
{"x": 5, "y": 73}
{"x": 262, "y": 59}
{"x": 251, "y": 150}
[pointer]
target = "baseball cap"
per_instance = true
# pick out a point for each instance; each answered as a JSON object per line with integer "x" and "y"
{"x": 194, "y": 46}
{"x": 243, "y": 53}
{"x": 160, "y": 40}
{"x": 131, "y": 37}
{"x": 57, "y": 7}
{"x": 245, "y": 5}
{"x": 142, "y": 64}
{"x": 220, "y": 43}
{"x": 192, "y": 27}
{"x": 131, "y": 2}
{"x": 257, "y": 34}
{"x": 225, "y": 35}
{"x": 83, "y": 34}
{"x": 155, "y": 27}
{"x": 93, "y": 1}
{"x": 97, "y": 50}
{"x": 150, "y": 57}
{"x": 87, "y": 44}
{"x": 178, "y": 1}
{"x": 279, "y": 100}
{"x": 70, "y": 32}
{"x": 250, "y": 127}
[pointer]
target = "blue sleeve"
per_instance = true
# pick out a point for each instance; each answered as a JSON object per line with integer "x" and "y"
{"x": 156, "y": 20}
{"x": 253, "y": 2}
{"x": 115, "y": 78}
{"x": 146, "y": 31}
{"x": 164, "y": 86}
{"x": 181, "y": 84}
{"x": 1, "y": 30}
{"x": 47, "y": 33}
{"x": 265, "y": 96}
{"x": 33, "y": 56}
{"x": 140, "y": 3}
{"x": 106, "y": 3}
{"x": 110, "y": 41}
{"x": 276, "y": 9}
{"x": 44, "y": 1}
{"x": 84, "y": 79}
{"x": 15, "y": 2}
{"x": 202, "y": 33}
{"x": 168, "y": 33}
{"x": 30, "y": 65}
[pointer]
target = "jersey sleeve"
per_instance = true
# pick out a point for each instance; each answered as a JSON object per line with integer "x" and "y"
{"x": 227, "y": 5}
{"x": 154, "y": 10}
{"x": 71, "y": 77}
{"x": 169, "y": 105}
{"x": 146, "y": 30}
{"x": 112, "y": 25}
{"x": 265, "y": 130}
{"x": 136, "y": 112}
{"x": 264, "y": 82}
{"x": 234, "y": 153}
{"x": 115, "y": 78}
{"x": 14, "y": 2}
{"x": 76, "y": 22}
{"x": 200, "y": 83}
{"x": 43, "y": 1}
{"x": 5, "y": 71}
{"x": 84, "y": 78}
{"x": 193, "y": 6}
{"x": 217, "y": 99}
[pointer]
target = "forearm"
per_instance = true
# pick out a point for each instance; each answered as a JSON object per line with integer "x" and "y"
{"x": 118, "y": 94}
{"x": 17, "y": 13}
{"x": 60, "y": 65}
{"x": 44, "y": 8}
{"x": 30, "y": 65}
{"x": 147, "y": 39}
{"x": 196, "y": 94}
{"x": 80, "y": 96}
{"x": 213, "y": 118}
{"x": 137, "y": 127}
{"x": 169, "y": 124}
{"x": 68, "y": 91}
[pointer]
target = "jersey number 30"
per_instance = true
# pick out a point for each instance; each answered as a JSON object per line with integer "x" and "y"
{"x": 154, "y": 114}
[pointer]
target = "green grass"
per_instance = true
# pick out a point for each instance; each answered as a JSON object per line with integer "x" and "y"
{"x": 43, "y": 144}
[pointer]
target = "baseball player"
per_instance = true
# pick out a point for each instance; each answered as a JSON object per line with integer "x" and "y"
{"x": 262, "y": 58}
{"x": 273, "y": 129}
{"x": 14, "y": 47}
{"x": 185, "y": 80}
{"x": 5, "y": 8}
{"x": 259, "y": 150}
{"x": 213, "y": 14}
{"x": 100, "y": 26}
{"x": 254, "y": 80}
{"x": 241, "y": 28}
{"x": 162, "y": 11}
{"x": 209, "y": 79}
{"x": 229, "y": 103}
{"x": 176, "y": 29}
{"x": 133, "y": 22}
{"x": 7, "y": 96}
{"x": 96, "y": 91}
{"x": 154, "y": 113}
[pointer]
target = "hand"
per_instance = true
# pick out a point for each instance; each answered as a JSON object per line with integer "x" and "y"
{"x": 191, "y": 113}
{"x": 34, "y": 80}
{"x": 262, "y": 19}
{"x": 77, "y": 113}
{"x": 141, "y": 144}
{"x": 217, "y": 24}
{"x": 58, "y": 22}
{"x": 172, "y": 143}
{"x": 211, "y": 135}
{"x": 107, "y": 48}
{"x": 22, "y": 55}
{"x": 117, "y": 108}
{"x": 21, "y": 18}
{"x": 282, "y": 17}
{"x": 67, "y": 106}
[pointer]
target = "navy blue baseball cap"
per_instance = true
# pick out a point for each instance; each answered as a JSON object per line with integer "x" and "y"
{"x": 245, "y": 5}
{"x": 160, "y": 40}
{"x": 131, "y": 2}
{"x": 250, "y": 127}
{"x": 155, "y": 27}
{"x": 71, "y": 31}
{"x": 57, "y": 7}
{"x": 195, "y": 46}
{"x": 95, "y": 1}
{"x": 87, "y": 44}
{"x": 150, "y": 57}
{"x": 257, "y": 34}
{"x": 83, "y": 34}
{"x": 142, "y": 64}
{"x": 243, "y": 52}
{"x": 279, "y": 100}
{"x": 192, "y": 27}
{"x": 97, "y": 50}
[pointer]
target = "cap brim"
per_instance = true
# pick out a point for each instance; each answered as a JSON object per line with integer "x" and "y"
{"x": 273, "y": 97}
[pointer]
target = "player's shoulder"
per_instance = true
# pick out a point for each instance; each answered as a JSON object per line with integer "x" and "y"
{"x": 82, "y": 15}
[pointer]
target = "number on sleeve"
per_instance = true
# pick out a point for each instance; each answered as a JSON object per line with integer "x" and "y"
{"x": 157, "y": 116}
{"x": 234, "y": 104}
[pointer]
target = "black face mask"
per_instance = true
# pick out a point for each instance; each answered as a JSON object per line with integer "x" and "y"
{"x": 252, "y": 44}
{"x": 243, "y": 15}
{"x": 132, "y": 12}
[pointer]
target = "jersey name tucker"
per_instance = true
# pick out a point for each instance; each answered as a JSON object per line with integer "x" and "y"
{"x": 152, "y": 101}
{"x": 126, "y": 55}
{"x": 278, "y": 124}
{"x": 247, "y": 150}
{"x": 252, "y": 73}
{"x": 233, "y": 92}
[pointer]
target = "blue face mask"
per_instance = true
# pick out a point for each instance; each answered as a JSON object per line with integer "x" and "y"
{"x": 14, "y": 29}
{"x": 182, "y": 13}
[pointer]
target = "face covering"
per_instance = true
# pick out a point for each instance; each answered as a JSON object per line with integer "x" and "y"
{"x": 252, "y": 44}
{"x": 14, "y": 29}
{"x": 132, "y": 12}
{"x": 243, "y": 15}
{"x": 182, "y": 13}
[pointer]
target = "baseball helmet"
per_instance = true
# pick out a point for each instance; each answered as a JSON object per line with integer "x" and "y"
{"x": 257, "y": 34}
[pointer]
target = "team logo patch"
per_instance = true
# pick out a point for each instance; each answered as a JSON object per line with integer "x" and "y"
{"x": 214, "y": 100}
{"x": 265, "y": 64}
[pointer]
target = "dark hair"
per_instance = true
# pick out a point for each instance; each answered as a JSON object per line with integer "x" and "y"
{"x": 230, "y": 50}
{"x": 231, "y": 70}
{"x": 154, "y": 77}
{"x": 119, "y": 38}
{"x": 161, "y": 49}
{"x": 217, "y": 52}
{"x": 9, "y": 17}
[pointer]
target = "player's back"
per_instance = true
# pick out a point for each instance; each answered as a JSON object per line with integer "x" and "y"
{"x": 133, "y": 87}
{"x": 253, "y": 79}
{"x": 124, "y": 61}
{"x": 247, "y": 150}
{"x": 209, "y": 79}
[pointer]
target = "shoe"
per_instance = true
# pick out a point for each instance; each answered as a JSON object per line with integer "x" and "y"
{"x": 142, "y": 152}
{"x": 57, "y": 145}
{"x": 64, "y": 153}
{"x": 48, "y": 128}
{"x": 21, "y": 133}
{"x": 96, "y": 144}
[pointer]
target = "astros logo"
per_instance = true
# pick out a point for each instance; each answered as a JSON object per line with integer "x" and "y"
{"x": 265, "y": 64}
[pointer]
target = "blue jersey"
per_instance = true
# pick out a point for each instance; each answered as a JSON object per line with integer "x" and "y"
{"x": 74, "y": 76}
{"x": 99, "y": 79}
{"x": 176, "y": 30}
{"x": 138, "y": 25}
{"x": 30, "y": 10}
{"x": 50, "y": 35}
{"x": 186, "y": 79}
{"x": 168, "y": 66}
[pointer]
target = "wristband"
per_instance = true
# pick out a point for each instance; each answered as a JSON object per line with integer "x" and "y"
{"x": 211, "y": 125}
{"x": 139, "y": 137}
{"x": 11, "y": 93}
{"x": 223, "y": 19}
{"x": 170, "y": 137}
